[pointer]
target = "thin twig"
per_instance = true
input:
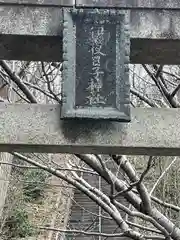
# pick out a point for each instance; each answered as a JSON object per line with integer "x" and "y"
{"x": 22, "y": 70}
{"x": 132, "y": 185}
{"x": 49, "y": 84}
{"x": 111, "y": 211}
{"x": 38, "y": 89}
{"x": 143, "y": 227}
{"x": 59, "y": 168}
{"x": 161, "y": 202}
{"x": 165, "y": 204}
{"x": 131, "y": 173}
{"x": 161, "y": 88}
{"x": 159, "y": 73}
{"x": 107, "y": 172}
{"x": 171, "y": 74}
{"x": 92, "y": 213}
{"x": 145, "y": 99}
{"x": 149, "y": 165}
{"x": 142, "y": 216}
{"x": 158, "y": 69}
{"x": 175, "y": 91}
{"x": 18, "y": 81}
{"x": 162, "y": 175}
{"x": 15, "y": 90}
{"x": 74, "y": 232}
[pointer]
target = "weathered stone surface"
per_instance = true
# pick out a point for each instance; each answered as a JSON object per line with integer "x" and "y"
{"x": 39, "y": 2}
{"x": 35, "y": 28}
{"x": 156, "y": 24}
{"x": 37, "y": 128}
{"x": 155, "y": 51}
{"x": 95, "y": 76}
{"x": 34, "y": 20}
{"x": 154, "y": 4}
{"x": 42, "y": 21}
{"x": 31, "y": 48}
{"x": 25, "y": 31}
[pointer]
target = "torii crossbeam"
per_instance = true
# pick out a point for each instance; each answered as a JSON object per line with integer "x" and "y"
{"x": 151, "y": 132}
{"x": 28, "y": 26}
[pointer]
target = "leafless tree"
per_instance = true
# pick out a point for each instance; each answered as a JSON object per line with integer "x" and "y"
{"x": 131, "y": 198}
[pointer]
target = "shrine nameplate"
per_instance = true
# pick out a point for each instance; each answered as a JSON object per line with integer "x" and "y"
{"x": 95, "y": 65}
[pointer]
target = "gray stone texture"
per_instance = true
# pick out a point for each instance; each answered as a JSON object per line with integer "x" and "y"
{"x": 37, "y": 128}
{"x": 130, "y": 4}
{"x": 39, "y": 2}
{"x": 155, "y": 4}
{"x": 26, "y": 30}
{"x": 92, "y": 89}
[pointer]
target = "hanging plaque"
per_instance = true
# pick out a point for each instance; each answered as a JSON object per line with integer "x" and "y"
{"x": 95, "y": 79}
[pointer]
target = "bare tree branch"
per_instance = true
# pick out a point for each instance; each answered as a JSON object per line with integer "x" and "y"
{"x": 18, "y": 82}
{"x": 23, "y": 68}
{"x": 165, "y": 204}
{"x": 158, "y": 69}
{"x": 162, "y": 88}
{"x": 114, "y": 214}
{"x": 15, "y": 90}
{"x": 144, "y": 217}
{"x": 159, "y": 74}
{"x": 162, "y": 175}
{"x": 92, "y": 213}
{"x": 140, "y": 203}
{"x": 39, "y": 89}
{"x": 145, "y": 99}
{"x": 135, "y": 184}
{"x": 128, "y": 169}
{"x": 59, "y": 168}
{"x": 120, "y": 235}
{"x": 107, "y": 172}
{"x": 143, "y": 227}
{"x": 120, "y": 185}
{"x": 130, "y": 197}
{"x": 175, "y": 91}
{"x": 171, "y": 74}
{"x": 49, "y": 84}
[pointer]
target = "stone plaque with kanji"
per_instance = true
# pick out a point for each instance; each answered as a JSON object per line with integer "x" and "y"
{"x": 95, "y": 65}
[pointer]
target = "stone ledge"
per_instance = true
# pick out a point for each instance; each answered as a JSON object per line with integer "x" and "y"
{"x": 151, "y": 132}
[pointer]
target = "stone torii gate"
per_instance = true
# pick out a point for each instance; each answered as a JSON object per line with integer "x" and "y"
{"x": 28, "y": 26}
